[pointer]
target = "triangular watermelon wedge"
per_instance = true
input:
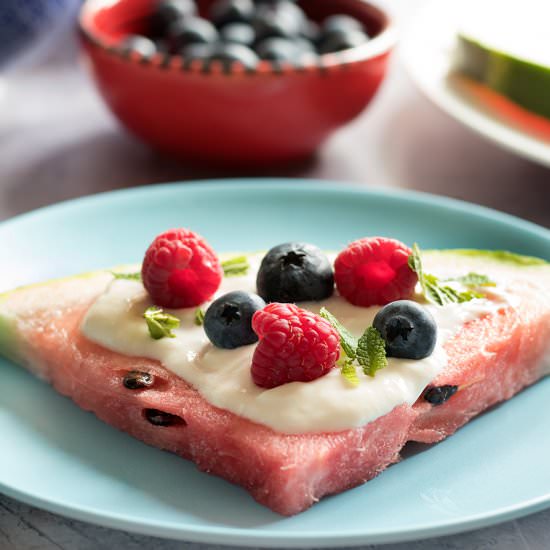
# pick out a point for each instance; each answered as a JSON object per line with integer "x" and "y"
{"x": 491, "y": 359}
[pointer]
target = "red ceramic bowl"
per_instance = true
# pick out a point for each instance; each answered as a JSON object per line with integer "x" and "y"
{"x": 244, "y": 117}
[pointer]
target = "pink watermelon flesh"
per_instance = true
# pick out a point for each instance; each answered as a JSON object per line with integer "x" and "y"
{"x": 491, "y": 359}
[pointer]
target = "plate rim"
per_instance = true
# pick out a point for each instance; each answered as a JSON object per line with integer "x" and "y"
{"x": 254, "y": 537}
{"x": 293, "y": 184}
{"x": 240, "y": 536}
{"x": 459, "y": 109}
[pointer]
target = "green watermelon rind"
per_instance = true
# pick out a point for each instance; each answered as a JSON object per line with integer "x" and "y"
{"x": 523, "y": 82}
{"x": 505, "y": 256}
{"x": 12, "y": 346}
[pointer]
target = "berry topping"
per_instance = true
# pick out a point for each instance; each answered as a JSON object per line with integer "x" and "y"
{"x": 295, "y": 346}
{"x": 180, "y": 269}
{"x": 408, "y": 329}
{"x": 374, "y": 271}
{"x": 228, "y": 320}
{"x": 295, "y": 272}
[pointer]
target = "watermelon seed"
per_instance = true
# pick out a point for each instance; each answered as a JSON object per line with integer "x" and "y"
{"x": 161, "y": 418}
{"x": 438, "y": 395}
{"x": 137, "y": 380}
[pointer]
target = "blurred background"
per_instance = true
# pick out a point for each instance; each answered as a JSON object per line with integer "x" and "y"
{"x": 58, "y": 140}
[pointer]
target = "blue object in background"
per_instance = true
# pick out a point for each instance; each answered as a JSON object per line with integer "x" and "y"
{"x": 28, "y": 26}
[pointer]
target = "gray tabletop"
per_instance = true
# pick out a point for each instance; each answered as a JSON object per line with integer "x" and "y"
{"x": 57, "y": 141}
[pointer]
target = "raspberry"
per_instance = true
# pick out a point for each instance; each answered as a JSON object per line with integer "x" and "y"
{"x": 180, "y": 269}
{"x": 374, "y": 271}
{"x": 295, "y": 345}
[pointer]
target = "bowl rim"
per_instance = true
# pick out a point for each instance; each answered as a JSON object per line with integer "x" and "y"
{"x": 379, "y": 45}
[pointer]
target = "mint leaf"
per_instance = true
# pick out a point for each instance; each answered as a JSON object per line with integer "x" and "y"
{"x": 371, "y": 352}
{"x": 199, "y": 317}
{"x": 415, "y": 262}
{"x": 236, "y": 267}
{"x": 473, "y": 280}
{"x": 347, "y": 340}
{"x": 349, "y": 372}
{"x": 437, "y": 292}
{"x": 126, "y": 276}
{"x": 160, "y": 324}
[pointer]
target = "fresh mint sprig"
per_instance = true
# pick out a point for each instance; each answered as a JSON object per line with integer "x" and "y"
{"x": 437, "y": 292}
{"x": 199, "y": 317}
{"x": 473, "y": 280}
{"x": 159, "y": 323}
{"x": 369, "y": 351}
{"x": 236, "y": 267}
{"x": 348, "y": 342}
{"x": 349, "y": 371}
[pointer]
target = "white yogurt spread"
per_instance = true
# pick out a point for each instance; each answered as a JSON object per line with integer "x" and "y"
{"x": 223, "y": 377}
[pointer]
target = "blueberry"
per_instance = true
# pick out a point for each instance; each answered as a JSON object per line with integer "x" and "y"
{"x": 162, "y": 46}
{"x": 196, "y": 51}
{"x": 343, "y": 40}
{"x": 408, "y": 329}
{"x": 310, "y": 31}
{"x": 341, "y": 23}
{"x": 277, "y": 49}
{"x": 167, "y": 12}
{"x": 228, "y": 320}
{"x": 282, "y": 18}
{"x": 295, "y": 272}
{"x": 224, "y": 12}
{"x": 228, "y": 54}
{"x": 304, "y": 45}
{"x": 140, "y": 44}
{"x": 192, "y": 30}
{"x": 238, "y": 33}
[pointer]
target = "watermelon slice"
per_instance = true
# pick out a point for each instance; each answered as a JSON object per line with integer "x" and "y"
{"x": 508, "y": 58}
{"x": 490, "y": 359}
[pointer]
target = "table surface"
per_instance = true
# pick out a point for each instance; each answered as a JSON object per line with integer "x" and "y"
{"x": 57, "y": 141}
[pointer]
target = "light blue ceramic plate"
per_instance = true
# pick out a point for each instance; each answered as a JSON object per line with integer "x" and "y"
{"x": 58, "y": 457}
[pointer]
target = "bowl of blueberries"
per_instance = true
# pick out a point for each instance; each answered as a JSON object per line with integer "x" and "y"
{"x": 241, "y": 82}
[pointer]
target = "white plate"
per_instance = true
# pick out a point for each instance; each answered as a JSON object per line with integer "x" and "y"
{"x": 427, "y": 51}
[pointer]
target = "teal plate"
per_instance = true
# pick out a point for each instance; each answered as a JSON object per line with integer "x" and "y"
{"x": 60, "y": 458}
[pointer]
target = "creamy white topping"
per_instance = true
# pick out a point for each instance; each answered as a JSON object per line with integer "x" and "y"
{"x": 223, "y": 377}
